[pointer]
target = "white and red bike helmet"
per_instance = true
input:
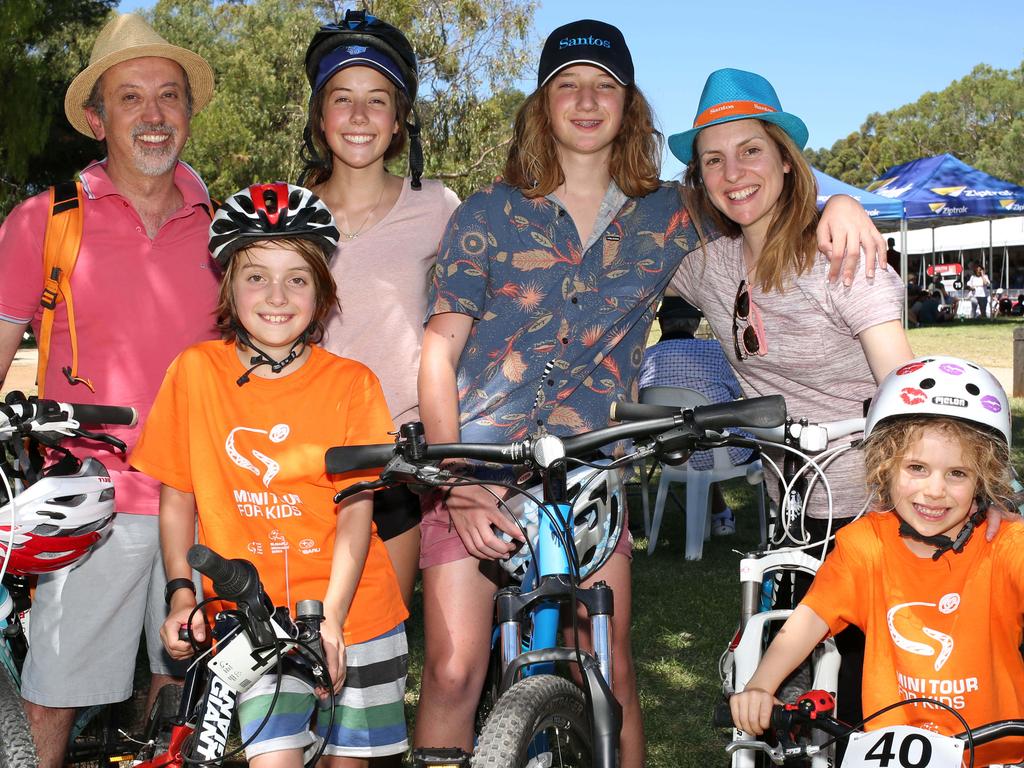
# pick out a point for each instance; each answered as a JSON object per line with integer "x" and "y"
{"x": 56, "y": 521}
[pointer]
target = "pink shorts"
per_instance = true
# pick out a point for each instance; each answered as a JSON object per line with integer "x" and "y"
{"x": 440, "y": 544}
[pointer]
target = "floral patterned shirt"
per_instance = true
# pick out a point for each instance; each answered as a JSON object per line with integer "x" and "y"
{"x": 560, "y": 329}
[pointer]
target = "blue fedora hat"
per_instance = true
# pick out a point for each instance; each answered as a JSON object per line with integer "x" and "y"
{"x": 732, "y": 94}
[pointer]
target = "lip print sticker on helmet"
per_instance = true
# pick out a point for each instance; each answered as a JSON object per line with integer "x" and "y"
{"x": 912, "y": 396}
{"x": 951, "y": 368}
{"x": 910, "y": 368}
{"x": 991, "y": 403}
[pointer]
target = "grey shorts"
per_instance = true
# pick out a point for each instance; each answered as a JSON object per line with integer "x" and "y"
{"x": 86, "y": 621}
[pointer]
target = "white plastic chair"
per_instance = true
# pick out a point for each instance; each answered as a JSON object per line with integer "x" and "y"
{"x": 698, "y": 482}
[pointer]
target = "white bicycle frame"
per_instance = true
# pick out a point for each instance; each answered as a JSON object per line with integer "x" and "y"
{"x": 742, "y": 657}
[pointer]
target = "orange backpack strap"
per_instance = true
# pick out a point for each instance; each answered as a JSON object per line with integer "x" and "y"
{"x": 60, "y": 252}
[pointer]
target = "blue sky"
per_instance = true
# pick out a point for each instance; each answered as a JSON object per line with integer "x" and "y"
{"x": 832, "y": 63}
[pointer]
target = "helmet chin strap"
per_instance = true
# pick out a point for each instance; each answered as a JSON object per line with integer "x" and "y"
{"x": 940, "y": 541}
{"x": 262, "y": 358}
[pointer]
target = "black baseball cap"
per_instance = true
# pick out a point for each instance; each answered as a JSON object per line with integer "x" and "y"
{"x": 586, "y": 42}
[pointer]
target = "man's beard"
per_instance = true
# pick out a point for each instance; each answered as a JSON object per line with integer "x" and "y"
{"x": 150, "y": 160}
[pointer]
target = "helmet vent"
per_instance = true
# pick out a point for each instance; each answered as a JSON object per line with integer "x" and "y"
{"x": 973, "y": 389}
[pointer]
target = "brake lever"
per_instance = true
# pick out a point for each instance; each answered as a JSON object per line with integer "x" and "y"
{"x": 355, "y": 488}
{"x": 774, "y": 753}
{"x": 100, "y": 437}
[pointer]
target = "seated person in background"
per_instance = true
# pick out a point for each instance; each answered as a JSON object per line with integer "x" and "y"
{"x": 928, "y": 309}
{"x": 680, "y": 360}
{"x": 1018, "y": 307}
{"x": 1003, "y": 303}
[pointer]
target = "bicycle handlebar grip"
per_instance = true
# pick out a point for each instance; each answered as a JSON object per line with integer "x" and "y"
{"x": 769, "y": 411}
{"x": 230, "y": 577}
{"x": 721, "y": 717}
{"x": 103, "y": 414}
{"x": 641, "y": 411}
{"x": 347, "y": 458}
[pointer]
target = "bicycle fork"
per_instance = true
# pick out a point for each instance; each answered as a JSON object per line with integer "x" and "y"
{"x": 556, "y": 587}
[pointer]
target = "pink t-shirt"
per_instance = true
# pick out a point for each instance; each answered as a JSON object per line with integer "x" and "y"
{"x": 138, "y": 303}
{"x": 813, "y": 358}
{"x": 382, "y": 288}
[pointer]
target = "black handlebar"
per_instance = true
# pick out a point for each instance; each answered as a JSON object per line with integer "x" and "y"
{"x": 21, "y": 409}
{"x": 232, "y": 579}
{"x": 756, "y": 412}
{"x": 760, "y": 412}
{"x": 103, "y": 414}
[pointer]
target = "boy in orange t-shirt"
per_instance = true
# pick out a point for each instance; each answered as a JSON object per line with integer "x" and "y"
{"x": 941, "y": 608}
{"x": 238, "y": 434}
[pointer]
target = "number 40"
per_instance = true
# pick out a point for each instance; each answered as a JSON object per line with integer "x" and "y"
{"x": 883, "y": 753}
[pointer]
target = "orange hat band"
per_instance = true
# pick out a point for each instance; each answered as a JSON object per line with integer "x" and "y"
{"x": 728, "y": 109}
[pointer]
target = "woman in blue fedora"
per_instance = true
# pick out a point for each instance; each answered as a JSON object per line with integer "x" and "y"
{"x": 762, "y": 286}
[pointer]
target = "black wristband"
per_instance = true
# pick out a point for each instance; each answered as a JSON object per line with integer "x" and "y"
{"x": 174, "y": 585}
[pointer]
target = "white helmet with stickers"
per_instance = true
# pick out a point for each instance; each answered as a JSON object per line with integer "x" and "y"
{"x": 942, "y": 386}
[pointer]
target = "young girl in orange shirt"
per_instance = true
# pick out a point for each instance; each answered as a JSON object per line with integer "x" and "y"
{"x": 238, "y": 434}
{"x": 940, "y": 604}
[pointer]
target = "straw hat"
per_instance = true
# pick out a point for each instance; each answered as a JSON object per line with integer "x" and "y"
{"x": 732, "y": 94}
{"x": 128, "y": 36}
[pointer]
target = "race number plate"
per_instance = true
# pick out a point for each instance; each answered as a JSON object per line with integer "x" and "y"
{"x": 239, "y": 665}
{"x": 903, "y": 746}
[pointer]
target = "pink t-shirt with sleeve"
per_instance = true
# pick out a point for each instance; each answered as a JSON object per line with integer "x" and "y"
{"x": 382, "y": 289}
{"x": 813, "y": 358}
{"x": 138, "y": 303}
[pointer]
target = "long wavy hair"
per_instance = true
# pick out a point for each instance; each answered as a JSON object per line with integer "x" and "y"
{"x": 317, "y": 154}
{"x": 532, "y": 164}
{"x": 324, "y": 287}
{"x": 790, "y": 246}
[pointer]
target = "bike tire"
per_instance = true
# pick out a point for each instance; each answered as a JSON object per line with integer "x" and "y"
{"x": 17, "y": 750}
{"x": 161, "y": 717}
{"x": 543, "y": 705}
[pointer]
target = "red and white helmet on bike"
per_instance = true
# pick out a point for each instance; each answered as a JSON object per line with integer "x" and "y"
{"x": 54, "y": 522}
{"x": 268, "y": 211}
{"x": 942, "y": 386}
{"x": 598, "y": 506}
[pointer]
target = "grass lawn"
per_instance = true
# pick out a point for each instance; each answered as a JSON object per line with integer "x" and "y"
{"x": 685, "y": 613}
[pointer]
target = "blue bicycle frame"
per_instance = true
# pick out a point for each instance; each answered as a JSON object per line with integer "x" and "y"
{"x": 547, "y": 585}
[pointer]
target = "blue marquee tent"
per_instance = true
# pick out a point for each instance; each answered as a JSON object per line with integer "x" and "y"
{"x": 877, "y": 206}
{"x": 943, "y": 187}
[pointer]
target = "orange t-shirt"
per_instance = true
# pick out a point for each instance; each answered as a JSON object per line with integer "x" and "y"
{"x": 253, "y": 456}
{"x": 948, "y": 630}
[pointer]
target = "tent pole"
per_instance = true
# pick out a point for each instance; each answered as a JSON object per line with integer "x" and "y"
{"x": 903, "y": 271}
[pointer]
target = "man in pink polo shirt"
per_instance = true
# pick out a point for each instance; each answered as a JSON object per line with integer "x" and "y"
{"x": 143, "y": 290}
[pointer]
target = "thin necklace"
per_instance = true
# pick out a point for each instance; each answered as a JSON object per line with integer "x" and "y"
{"x": 358, "y": 232}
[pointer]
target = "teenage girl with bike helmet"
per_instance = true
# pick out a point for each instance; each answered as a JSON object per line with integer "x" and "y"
{"x": 941, "y": 605}
{"x": 238, "y": 434}
{"x": 363, "y": 78}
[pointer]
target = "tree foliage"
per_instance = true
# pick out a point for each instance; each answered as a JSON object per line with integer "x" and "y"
{"x": 979, "y": 118}
{"x": 470, "y": 53}
{"x": 43, "y": 45}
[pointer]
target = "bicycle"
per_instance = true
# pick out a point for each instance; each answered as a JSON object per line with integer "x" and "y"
{"x": 902, "y": 745}
{"x": 49, "y": 519}
{"x": 540, "y": 717}
{"x": 252, "y": 640}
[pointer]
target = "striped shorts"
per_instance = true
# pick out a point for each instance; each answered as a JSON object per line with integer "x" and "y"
{"x": 369, "y": 713}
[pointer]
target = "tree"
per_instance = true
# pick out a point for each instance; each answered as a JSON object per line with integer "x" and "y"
{"x": 979, "y": 118}
{"x": 470, "y": 52}
{"x": 43, "y": 45}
